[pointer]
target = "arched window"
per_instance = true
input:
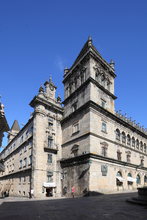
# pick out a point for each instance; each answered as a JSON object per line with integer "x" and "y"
{"x": 144, "y": 148}
{"x": 138, "y": 180}
{"x": 141, "y": 146}
{"x": 129, "y": 179}
{"x": 137, "y": 144}
{"x": 133, "y": 142}
{"x": 123, "y": 137}
{"x": 103, "y": 80}
{"x": 108, "y": 84}
{"x": 117, "y": 134}
{"x": 119, "y": 155}
{"x": 145, "y": 180}
{"x": 119, "y": 179}
{"x": 128, "y": 140}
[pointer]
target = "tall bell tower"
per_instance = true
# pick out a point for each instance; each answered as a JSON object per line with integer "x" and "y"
{"x": 89, "y": 98}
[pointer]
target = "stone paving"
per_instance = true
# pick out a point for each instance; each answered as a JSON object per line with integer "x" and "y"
{"x": 104, "y": 207}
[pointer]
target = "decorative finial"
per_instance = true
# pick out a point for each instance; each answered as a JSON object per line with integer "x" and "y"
{"x": 41, "y": 90}
{"x": 50, "y": 79}
{"x": 112, "y": 64}
{"x": 58, "y": 98}
{"x": 89, "y": 41}
{"x": 89, "y": 38}
{"x": 66, "y": 71}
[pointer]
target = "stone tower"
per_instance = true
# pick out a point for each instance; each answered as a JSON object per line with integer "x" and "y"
{"x": 47, "y": 140}
{"x": 89, "y": 96}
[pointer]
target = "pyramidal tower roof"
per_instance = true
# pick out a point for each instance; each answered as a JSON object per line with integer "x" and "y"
{"x": 86, "y": 48}
{"x": 15, "y": 126}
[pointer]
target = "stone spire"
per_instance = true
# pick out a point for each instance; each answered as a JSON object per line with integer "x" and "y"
{"x": 14, "y": 130}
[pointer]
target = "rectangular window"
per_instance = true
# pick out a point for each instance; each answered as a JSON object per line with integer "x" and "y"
{"x": 142, "y": 162}
{"x": 103, "y": 103}
{"x": 50, "y": 122}
{"x": 50, "y": 142}
{"x": 74, "y": 107}
{"x": 104, "y": 151}
{"x": 49, "y": 177}
{"x": 21, "y": 139}
{"x": 20, "y": 164}
{"x": 25, "y": 148}
{"x": 128, "y": 158}
{"x": 25, "y": 162}
{"x": 104, "y": 127}
{"x": 119, "y": 155}
{"x": 30, "y": 160}
{"x": 76, "y": 127}
{"x": 30, "y": 144}
{"x": 49, "y": 158}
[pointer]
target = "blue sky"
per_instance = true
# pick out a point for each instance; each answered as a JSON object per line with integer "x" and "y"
{"x": 39, "y": 38}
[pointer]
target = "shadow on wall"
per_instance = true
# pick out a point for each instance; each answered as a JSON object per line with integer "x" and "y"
{"x": 83, "y": 173}
{"x": 91, "y": 193}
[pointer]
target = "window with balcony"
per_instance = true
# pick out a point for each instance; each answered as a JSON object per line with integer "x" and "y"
{"x": 50, "y": 142}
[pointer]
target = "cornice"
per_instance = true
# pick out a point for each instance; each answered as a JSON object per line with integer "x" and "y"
{"x": 106, "y": 113}
{"x": 19, "y": 133}
{"x": 85, "y": 158}
{"x": 47, "y": 103}
{"x": 90, "y": 79}
{"x": 15, "y": 173}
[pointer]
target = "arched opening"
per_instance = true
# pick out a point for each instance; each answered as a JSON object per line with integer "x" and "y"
{"x": 103, "y": 80}
{"x": 141, "y": 146}
{"x": 138, "y": 179}
{"x": 144, "y": 148}
{"x": 128, "y": 140}
{"x": 133, "y": 142}
{"x": 130, "y": 180}
{"x": 137, "y": 144}
{"x": 123, "y": 137}
{"x": 119, "y": 179}
{"x": 145, "y": 180}
{"x": 117, "y": 134}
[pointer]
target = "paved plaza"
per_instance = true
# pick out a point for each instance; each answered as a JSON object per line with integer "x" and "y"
{"x": 101, "y": 207}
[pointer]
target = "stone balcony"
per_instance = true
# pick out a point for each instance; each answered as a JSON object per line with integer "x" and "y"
{"x": 52, "y": 149}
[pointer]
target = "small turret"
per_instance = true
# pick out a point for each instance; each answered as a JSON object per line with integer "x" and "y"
{"x": 50, "y": 89}
{"x": 14, "y": 131}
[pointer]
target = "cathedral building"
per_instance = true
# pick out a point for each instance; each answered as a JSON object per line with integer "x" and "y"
{"x": 85, "y": 145}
